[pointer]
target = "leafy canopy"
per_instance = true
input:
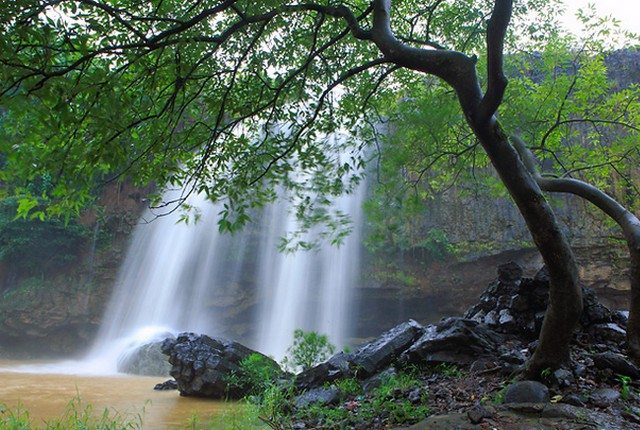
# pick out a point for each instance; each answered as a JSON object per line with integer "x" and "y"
{"x": 233, "y": 98}
{"x": 575, "y": 102}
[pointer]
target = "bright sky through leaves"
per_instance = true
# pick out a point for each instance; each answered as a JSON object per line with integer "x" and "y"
{"x": 626, "y": 11}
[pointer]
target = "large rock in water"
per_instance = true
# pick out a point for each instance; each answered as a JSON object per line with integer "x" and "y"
{"x": 147, "y": 360}
{"x": 202, "y": 366}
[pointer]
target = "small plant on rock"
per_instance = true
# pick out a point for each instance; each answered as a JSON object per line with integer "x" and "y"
{"x": 625, "y": 389}
{"x": 308, "y": 349}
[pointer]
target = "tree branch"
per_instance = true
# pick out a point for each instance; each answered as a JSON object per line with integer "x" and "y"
{"x": 623, "y": 217}
{"x": 496, "y": 80}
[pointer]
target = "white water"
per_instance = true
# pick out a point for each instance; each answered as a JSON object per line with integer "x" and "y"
{"x": 173, "y": 271}
{"x": 311, "y": 290}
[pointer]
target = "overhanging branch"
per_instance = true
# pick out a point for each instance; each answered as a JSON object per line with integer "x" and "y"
{"x": 496, "y": 80}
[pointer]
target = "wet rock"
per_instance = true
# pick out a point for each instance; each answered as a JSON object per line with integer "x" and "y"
{"x": 335, "y": 368}
{"x": 201, "y": 365}
{"x": 322, "y": 396}
{"x": 367, "y": 360}
{"x": 610, "y": 332}
{"x": 630, "y": 416}
{"x": 562, "y": 378}
{"x": 415, "y": 396}
{"x": 509, "y": 272}
{"x": 620, "y": 317}
{"x": 604, "y": 397}
{"x": 147, "y": 360}
{"x": 513, "y": 303}
{"x": 506, "y": 320}
{"x": 482, "y": 365}
{"x": 169, "y": 384}
{"x": 376, "y": 355}
{"x": 528, "y": 416}
{"x": 579, "y": 370}
{"x": 526, "y": 392}
{"x": 593, "y": 311}
{"x": 478, "y": 413}
{"x": 377, "y": 380}
{"x": 526, "y": 408}
{"x": 491, "y": 318}
{"x": 573, "y": 399}
{"x": 513, "y": 357}
{"x": 453, "y": 340}
{"x": 618, "y": 363}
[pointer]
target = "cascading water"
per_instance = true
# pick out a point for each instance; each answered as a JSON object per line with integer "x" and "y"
{"x": 307, "y": 289}
{"x": 164, "y": 284}
{"x": 173, "y": 272}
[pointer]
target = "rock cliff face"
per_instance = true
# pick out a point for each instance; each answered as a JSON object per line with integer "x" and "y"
{"x": 58, "y": 311}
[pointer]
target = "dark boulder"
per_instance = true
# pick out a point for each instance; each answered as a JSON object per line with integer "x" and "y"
{"x": 604, "y": 397}
{"x": 516, "y": 305}
{"x": 478, "y": 413}
{"x": 454, "y": 340}
{"x": 335, "y": 368}
{"x": 593, "y": 311}
{"x": 510, "y": 272}
{"x": 618, "y": 363}
{"x": 526, "y": 392}
{"x": 169, "y": 384}
{"x": 203, "y": 366}
{"x": 608, "y": 333}
{"x": 322, "y": 395}
{"x": 512, "y": 303}
{"x": 374, "y": 356}
{"x": 366, "y": 360}
{"x": 377, "y": 380}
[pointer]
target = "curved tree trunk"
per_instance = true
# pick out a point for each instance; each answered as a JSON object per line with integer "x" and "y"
{"x": 627, "y": 221}
{"x": 459, "y": 71}
{"x": 565, "y": 295}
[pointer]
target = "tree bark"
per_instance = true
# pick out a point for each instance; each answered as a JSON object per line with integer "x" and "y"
{"x": 628, "y": 222}
{"x": 565, "y": 295}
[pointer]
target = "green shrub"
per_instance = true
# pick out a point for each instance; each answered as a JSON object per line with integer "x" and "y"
{"x": 389, "y": 399}
{"x": 257, "y": 373}
{"x": 308, "y": 349}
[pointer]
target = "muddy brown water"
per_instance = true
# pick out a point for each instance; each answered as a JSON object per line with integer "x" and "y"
{"x": 47, "y": 396}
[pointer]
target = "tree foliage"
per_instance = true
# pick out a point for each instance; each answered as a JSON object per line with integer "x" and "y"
{"x": 580, "y": 117}
{"x": 36, "y": 246}
{"x": 234, "y": 99}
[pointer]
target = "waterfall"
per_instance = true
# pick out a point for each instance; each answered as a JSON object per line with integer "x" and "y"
{"x": 165, "y": 281}
{"x": 311, "y": 290}
{"x": 173, "y": 271}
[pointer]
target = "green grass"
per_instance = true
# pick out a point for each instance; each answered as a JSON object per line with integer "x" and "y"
{"x": 244, "y": 417}
{"x": 76, "y": 416}
{"x": 388, "y": 399}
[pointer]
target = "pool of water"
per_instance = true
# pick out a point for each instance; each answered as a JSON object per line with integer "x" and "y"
{"x": 47, "y": 395}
